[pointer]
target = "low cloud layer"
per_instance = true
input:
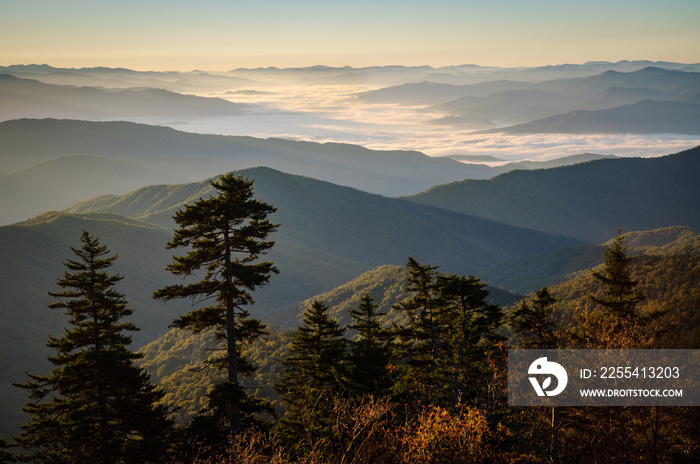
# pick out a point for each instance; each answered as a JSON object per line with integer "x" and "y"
{"x": 334, "y": 114}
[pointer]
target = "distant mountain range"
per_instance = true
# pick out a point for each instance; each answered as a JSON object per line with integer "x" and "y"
{"x": 29, "y": 98}
{"x": 470, "y": 96}
{"x": 42, "y": 157}
{"x": 649, "y": 100}
{"x": 322, "y": 75}
{"x": 52, "y": 164}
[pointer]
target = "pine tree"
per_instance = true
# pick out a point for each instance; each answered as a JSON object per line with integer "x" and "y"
{"x": 421, "y": 340}
{"x": 312, "y": 375}
{"x": 422, "y": 311}
{"x": 369, "y": 356}
{"x": 226, "y": 235}
{"x": 533, "y": 322}
{"x": 95, "y": 406}
{"x": 444, "y": 346}
{"x": 471, "y": 325}
{"x": 5, "y": 456}
{"x": 614, "y": 322}
{"x": 621, "y": 296}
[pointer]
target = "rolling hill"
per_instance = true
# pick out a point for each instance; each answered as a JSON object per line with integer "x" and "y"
{"x": 586, "y": 201}
{"x": 361, "y": 229}
{"x": 97, "y": 158}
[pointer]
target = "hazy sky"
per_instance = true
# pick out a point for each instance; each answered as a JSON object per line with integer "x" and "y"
{"x": 226, "y": 34}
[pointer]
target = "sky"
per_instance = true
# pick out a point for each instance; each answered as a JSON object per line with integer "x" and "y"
{"x": 219, "y": 35}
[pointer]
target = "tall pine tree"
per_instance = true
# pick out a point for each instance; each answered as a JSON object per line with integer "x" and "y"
{"x": 421, "y": 342}
{"x": 312, "y": 376}
{"x": 471, "y": 325}
{"x": 367, "y": 371}
{"x": 620, "y": 293}
{"x": 226, "y": 235}
{"x": 442, "y": 349}
{"x": 534, "y": 324}
{"x": 615, "y": 321}
{"x": 95, "y": 406}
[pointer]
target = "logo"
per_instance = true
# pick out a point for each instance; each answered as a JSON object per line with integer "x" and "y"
{"x": 543, "y": 367}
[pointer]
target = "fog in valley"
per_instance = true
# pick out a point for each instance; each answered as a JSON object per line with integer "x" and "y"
{"x": 437, "y": 111}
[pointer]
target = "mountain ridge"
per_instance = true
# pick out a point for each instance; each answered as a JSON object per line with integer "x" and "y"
{"x": 39, "y": 140}
{"x": 644, "y": 117}
{"x": 587, "y": 201}
{"x": 121, "y": 156}
{"x": 32, "y": 98}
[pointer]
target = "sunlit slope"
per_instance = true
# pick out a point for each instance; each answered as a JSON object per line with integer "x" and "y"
{"x": 667, "y": 265}
{"x": 525, "y": 275}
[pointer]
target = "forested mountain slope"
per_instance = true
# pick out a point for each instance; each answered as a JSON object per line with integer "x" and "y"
{"x": 348, "y": 230}
{"x": 587, "y": 201}
{"x": 666, "y": 264}
{"x": 328, "y": 235}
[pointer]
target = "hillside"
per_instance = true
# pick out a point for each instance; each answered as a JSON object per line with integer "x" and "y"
{"x": 174, "y": 362}
{"x": 525, "y": 275}
{"x": 32, "y": 253}
{"x": 387, "y": 285}
{"x": 667, "y": 265}
{"x": 343, "y": 230}
{"x": 668, "y": 277}
{"x": 43, "y": 187}
{"x": 328, "y": 236}
{"x": 40, "y": 157}
{"x": 586, "y": 201}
